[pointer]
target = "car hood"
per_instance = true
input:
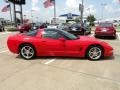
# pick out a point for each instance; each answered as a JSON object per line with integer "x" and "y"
{"x": 86, "y": 40}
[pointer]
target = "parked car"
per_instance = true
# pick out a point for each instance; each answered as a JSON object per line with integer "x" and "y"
{"x": 76, "y": 29}
{"x": 24, "y": 28}
{"x": 54, "y": 42}
{"x": 105, "y": 29}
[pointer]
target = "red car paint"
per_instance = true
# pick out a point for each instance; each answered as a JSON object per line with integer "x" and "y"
{"x": 105, "y": 29}
{"x": 56, "y": 47}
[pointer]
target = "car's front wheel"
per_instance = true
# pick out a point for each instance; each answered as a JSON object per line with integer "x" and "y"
{"x": 27, "y": 52}
{"x": 95, "y": 53}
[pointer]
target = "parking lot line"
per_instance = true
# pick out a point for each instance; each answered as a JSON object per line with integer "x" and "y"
{"x": 4, "y": 51}
{"x": 5, "y": 33}
{"x": 52, "y": 60}
{"x": 92, "y": 35}
{"x": 118, "y": 36}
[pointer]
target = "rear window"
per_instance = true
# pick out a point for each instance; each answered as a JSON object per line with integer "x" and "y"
{"x": 105, "y": 24}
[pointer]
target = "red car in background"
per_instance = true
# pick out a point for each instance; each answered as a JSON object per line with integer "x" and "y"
{"x": 105, "y": 29}
{"x": 54, "y": 42}
{"x": 24, "y": 27}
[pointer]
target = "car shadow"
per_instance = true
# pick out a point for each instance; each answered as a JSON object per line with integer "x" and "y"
{"x": 66, "y": 58}
{"x": 106, "y": 37}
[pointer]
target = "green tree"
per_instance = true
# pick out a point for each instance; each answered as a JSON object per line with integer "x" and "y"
{"x": 91, "y": 19}
{"x": 77, "y": 20}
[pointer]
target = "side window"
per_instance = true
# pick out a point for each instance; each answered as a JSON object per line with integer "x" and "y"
{"x": 51, "y": 34}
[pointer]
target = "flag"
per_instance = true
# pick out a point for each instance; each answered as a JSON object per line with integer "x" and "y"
{"x": 6, "y": 8}
{"x": 48, "y": 3}
{"x": 119, "y": 1}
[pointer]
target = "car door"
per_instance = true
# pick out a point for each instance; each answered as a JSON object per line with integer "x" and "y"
{"x": 50, "y": 45}
{"x": 73, "y": 48}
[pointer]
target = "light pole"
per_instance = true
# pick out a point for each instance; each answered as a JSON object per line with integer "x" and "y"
{"x": 37, "y": 19}
{"x": 32, "y": 15}
{"x": 89, "y": 11}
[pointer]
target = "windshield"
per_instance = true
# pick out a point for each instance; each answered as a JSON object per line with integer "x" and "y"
{"x": 69, "y": 35}
{"x": 105, "y": 24}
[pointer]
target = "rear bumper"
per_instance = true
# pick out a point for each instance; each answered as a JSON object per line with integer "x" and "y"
{"x": 12, "y": 46}
{"x": 105, "y": 34}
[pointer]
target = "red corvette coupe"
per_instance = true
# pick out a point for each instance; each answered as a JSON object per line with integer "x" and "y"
{"x": 105, "y": 29}
{"x": 53, "y": 42}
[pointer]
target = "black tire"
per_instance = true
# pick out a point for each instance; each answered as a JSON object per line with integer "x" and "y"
{"x": 21, "y": 31}
{"x": 27, "y": 54}
{"x": 95, "y": 36}
{"x": 97, "y": 56}
{"x": 114, "y": 37}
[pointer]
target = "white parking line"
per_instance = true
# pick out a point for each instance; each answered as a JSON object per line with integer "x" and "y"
{"x": 52, "y": 60}
{"x": 5, "y": 33}
{"x": 91, "y": 35}
{"x": 4, "y": 51}
{"x": 118, "y": 36}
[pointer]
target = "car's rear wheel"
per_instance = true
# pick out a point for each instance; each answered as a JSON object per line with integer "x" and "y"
{"x": 95, "y": 53}
{"x": 27, "y": 52}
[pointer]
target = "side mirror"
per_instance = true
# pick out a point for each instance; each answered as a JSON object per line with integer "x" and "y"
{"x": 62, "y": 39}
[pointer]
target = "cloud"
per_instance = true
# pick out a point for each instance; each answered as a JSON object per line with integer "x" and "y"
{"x": 34, "y": 2}
{"x": 89, "y": 9}
{"x": 34, "y": 5}
{"x": 72, "y": 4}
{"x": 116, "y": 1}
{"x": 111, "y": 9}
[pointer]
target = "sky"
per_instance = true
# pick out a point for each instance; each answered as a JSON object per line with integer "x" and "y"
{"x": 99, "y": 8}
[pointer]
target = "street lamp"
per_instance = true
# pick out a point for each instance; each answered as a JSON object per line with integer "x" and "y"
{"x": 32, "y": 15}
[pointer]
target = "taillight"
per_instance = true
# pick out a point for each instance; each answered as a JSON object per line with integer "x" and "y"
{"x": 97, "y": 29}
{"x": 112, "y": 29}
